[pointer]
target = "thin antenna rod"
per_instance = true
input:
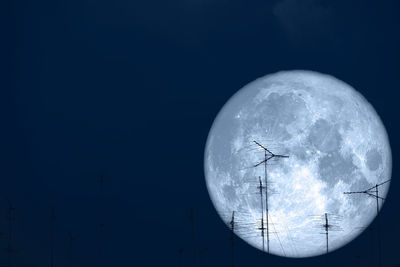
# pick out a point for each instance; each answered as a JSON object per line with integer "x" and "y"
{"x": 379, "y": 227}
{"x": 374, "y": 192}
{"x": 266, "y": 196}
{"x": 267, "y": 156}
{"x": 232, "y": 223}
{"x": 326, "y": 232}
{"x": 71, "y": 238}
{"x": 262, "y": 213}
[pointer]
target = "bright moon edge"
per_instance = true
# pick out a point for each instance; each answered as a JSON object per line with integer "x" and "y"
{"x": 336, "y": 142}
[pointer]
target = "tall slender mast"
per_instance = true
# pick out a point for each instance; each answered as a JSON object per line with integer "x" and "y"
{"x": 267, "y": 156}
{"x": 326, "y": 232}
{"x": 327, "y": 222}
{"x": 262, "y": 213}
{"x": 232, "y": 223}
{"x": 266, "y": 196}
{"x": 373, "y": 192}
{"x": 379, "y": 226}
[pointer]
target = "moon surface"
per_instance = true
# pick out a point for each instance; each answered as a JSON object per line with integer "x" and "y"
{"x": 336, "y": 143}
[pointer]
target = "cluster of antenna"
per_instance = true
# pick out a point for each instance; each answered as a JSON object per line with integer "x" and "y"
{"x": 11, "y": 250}
{"x": 327, "y": 222}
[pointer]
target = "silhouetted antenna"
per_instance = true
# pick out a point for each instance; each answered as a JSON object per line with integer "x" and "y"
{"x": 71, "y": 239}
{"x": 371, "y": 242}
{"x": 261, "y": 188}
{"x": 268, "y": 155}
{"x": 194, "y": 247}
{"x": 232, "y": 224}
{"x": 240, "y": 223}
{"x": 374, "y": 192}
{"x": 52, "y": 228}
{"x": 10, "y": 219}
{"x": 327, "y": 226}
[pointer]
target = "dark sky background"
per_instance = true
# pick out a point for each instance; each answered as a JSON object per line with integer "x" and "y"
{"x": 130, "y": 88}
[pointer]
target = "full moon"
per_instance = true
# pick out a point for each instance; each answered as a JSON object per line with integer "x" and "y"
{"x": 335, "y": 143}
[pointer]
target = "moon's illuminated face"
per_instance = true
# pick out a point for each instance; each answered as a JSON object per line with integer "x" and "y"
{"x": 336, "y": 143}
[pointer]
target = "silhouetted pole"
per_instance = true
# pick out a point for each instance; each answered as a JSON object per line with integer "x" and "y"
{"x": 260, "y": 187}
{"x": 266, "y": 197}
{"x": 191, "y": 218}
{"x": 52, "y": 228}
{"x": 327, "y": 226}
{"x": 326, "y": 232}
{"x": 373, "y": 192}
{"x": 232, "y": 223}
{"x": 379, "y": 226}
{"x": 267, "y": 156}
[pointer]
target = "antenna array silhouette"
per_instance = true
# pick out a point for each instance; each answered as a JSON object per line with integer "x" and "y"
{"x": 327, "y": 226}
{"x": 374, "y": 192}
{"x": 268, "y": 155}
{"x": 232, "y": 224}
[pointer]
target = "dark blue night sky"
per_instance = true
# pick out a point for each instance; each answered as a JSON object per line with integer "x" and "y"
{"x": 130, "y": 89}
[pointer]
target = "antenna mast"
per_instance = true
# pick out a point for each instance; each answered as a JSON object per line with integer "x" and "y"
{"x": 261, "y": 187}
{"x": 232, "y": 223}
{"x": 268, "y": 155}
{"x": 327, "y": 226}
{"x": 374, "y": 192}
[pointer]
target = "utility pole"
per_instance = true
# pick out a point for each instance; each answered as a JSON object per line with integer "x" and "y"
{"x": 268, "y": 155}
{"x": 10, "y": 218}
{"x": 52, "y": 228}
{"x": 374, "y": 192}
